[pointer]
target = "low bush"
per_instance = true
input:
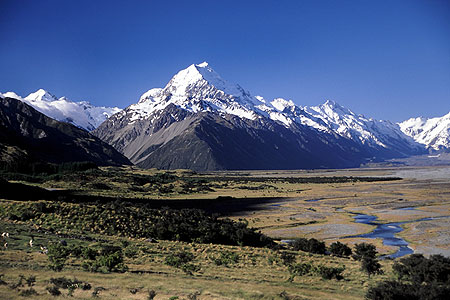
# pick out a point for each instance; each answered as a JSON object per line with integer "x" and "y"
{"x": 340, "y": 250}
{"x": 178, "y": 259}
{"x": 301, "y": 269}
{"x": 57, "y": 255}
{"x": 309, "y": 245}
{"x": 53, "y": 290}
{"x": 65, "y": 283}
{"x": 109, "y": 259}
{"x": 330, "y": 272}
{"x": 181, "y": 260}
{"x": 287, "y": 258}
{"x": 226, "y": 258}
{"x": 28, "y": 292}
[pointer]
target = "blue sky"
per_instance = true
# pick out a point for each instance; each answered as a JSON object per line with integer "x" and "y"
{"x": 384, "y": 59}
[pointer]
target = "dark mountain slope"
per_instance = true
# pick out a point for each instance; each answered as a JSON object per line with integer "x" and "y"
{"x": 207, "y": 141}
{"x": 27, "y": 135}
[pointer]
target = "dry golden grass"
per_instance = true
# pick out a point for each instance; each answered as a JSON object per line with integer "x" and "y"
{"x": 254, "y": 276}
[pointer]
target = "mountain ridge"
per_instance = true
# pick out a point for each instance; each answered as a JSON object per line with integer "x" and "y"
{"x": 197, "y": 95}
{"x": 81, "y": 114}
{"x": 28, "y": 136}
{"x": 434, "y": 133}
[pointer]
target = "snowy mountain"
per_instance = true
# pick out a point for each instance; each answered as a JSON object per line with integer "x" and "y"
{"x": 199, "y": 88}
{"x": 434, "y": 133}
{"x": 81, "y": 114}
{"x": 28, "y": 136}
{"x": 195, "y": 89}
{"x": 198, "y": 109}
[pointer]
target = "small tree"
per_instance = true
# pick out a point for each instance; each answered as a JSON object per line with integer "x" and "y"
{"x": 367, "y": 254}
{"x": 364, "y": 250}
{"x": 371, "y": 266}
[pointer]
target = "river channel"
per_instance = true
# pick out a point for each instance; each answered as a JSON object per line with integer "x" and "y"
{"x": 388, "y": 232}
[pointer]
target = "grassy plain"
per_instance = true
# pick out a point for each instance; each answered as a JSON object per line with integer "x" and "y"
{"x": 257, "y": 274}
{"x": 279, "y": 203}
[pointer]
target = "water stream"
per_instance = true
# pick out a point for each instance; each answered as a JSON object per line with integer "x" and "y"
{"x": 388, "y": 232}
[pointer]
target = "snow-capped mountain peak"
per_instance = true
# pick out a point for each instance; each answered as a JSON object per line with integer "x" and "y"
{"x": 81, "y": 114}
{"x": 196, "y": 73}
{"x": 434, "y": 133}
{"x": 332, "y": 109}
{"x": 183, "y": 79}
{"x": 280, "y": 104}
{"x": 197, "y": 88}
{"x": 41, "y": 95}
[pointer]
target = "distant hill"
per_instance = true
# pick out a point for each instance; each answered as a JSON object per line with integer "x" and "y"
{"x": 27, "y": 135}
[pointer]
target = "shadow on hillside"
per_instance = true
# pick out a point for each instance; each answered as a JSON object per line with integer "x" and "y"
{"x": 221, "y": 205}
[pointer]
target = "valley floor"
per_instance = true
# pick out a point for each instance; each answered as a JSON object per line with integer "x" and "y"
{"x": 325, "y": 211}
{"x": 291, "y": 209}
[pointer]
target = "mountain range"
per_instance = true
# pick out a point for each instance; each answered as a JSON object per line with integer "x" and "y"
{"x": 434, "y": 133}
{"x": 81, "y": 114}
{"x": 203, "y": 122}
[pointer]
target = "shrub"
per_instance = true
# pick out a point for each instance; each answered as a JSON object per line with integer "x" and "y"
{"x": 330, "y": 272}
{"x": 89, "y": 253}
{"x": 28, "y": 292}
{"x": 130, "y": 251}
{"x": 19, "y": 282}
{"x": 178, "y": 259}
{"x": 57, "y": 256}
{"x": 340, "y": 250}
{"x": 287, "y": 258}
{"x": 77, "y": 251}
{"x": 309, "y": 245}
{"x": 419, "y": 278}
{"x": 30, "y": 280}
{"x": 418, "y": 269}
{"x": 182, "y": 261}
{"x": 110, "y": 259}
{"x": 190, "y": 268}
{"x": 300, "y": 269}
{"x": 96, "y": 291}
{"x": 53, "y": 290}
{"x": 226, "y": 258}
{"x": 2, "y": 282}
{"x": 151, "y": 295}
